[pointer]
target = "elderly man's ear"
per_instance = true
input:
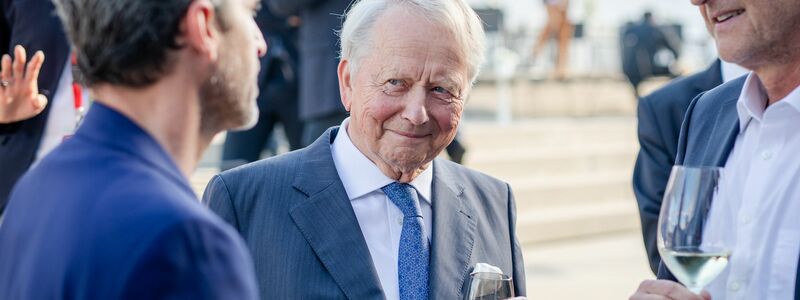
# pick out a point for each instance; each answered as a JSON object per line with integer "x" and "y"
{"x": 345, "y": 84}
{"x": 199, "y": 30}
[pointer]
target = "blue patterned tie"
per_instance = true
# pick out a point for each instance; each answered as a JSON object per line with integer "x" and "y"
{"x": 412, "y": 261}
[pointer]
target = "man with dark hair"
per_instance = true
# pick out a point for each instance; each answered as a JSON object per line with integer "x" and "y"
{"x": 118, "y": 219}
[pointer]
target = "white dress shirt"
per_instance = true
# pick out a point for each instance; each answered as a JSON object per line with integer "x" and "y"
{"x": 755, "y": 212}
{"x": 380, "y": 220}
{"x": 731, "y": 71}
{"x": 61, "y": 118}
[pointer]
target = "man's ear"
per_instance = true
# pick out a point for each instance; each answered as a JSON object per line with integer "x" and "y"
{"x": 199, "y": 31}
{"x": 345, "y": 83}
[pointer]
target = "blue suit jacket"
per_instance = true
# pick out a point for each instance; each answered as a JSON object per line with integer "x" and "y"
{"x": 107, "y": 215}
{"x": 319, "y": 53}
{"x": 34, "y": 25}
{"x": 660, "y": 117}
{"x": 708, "y": 135}
{"x": 298, "y": 222}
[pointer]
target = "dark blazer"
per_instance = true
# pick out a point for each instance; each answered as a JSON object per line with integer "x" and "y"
{"x": 708, "y": 135}
{"x": 34, "y": 25}
{"x": 660, "y": 117}
{"x": 319, "y": 53}
{"x": 298, "y": 222}
{"x": 108, "y": 215}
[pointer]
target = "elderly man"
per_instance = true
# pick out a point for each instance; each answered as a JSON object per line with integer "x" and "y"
{"x": 749, "y": 126}
{"x": 367, "y": 211}
{"x": 110, "y": 214}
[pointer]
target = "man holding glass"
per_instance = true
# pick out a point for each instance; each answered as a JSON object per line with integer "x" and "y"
{"x": 749, "y": 127}
{"x": 367, "y": 211}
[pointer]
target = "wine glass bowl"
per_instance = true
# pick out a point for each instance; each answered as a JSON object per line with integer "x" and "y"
{"x": 490, "y": 286}
{"x": 686, "y": 248}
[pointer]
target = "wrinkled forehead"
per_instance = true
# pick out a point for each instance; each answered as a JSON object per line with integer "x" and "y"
{"x": 406, "y": 41}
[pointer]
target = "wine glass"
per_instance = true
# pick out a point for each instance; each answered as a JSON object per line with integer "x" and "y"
{"x": 490, "y": 286}
{"x": 691, "y": 253}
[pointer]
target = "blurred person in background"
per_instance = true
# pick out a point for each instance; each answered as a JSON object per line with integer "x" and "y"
{"x": 749, "y": 127}
{"x": 368, "y": 211}
{"x": 641, "y": 43}
{"x": 320, "y": 104}
{"x": 30, "y": 127}
{"x": 278, "y": 97}
{"x": 660, "y": 116}
{"x": 110, "y": 214}
{"x": 558, "y": 28}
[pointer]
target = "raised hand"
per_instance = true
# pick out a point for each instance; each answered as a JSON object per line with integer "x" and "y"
{"x": 19, "y": 91}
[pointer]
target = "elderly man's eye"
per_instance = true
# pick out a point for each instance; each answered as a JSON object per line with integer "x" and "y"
{"x": 395, "y": 82}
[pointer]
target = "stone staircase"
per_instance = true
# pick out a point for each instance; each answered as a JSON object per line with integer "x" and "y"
{"x": 570, "y": 176}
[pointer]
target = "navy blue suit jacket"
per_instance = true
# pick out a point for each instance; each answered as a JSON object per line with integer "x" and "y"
{"x": 708, "y": 135}
{"x": 319, "y": 53}
{"x": 660, "y": 117}
{"x": 107, "y": 215}
{"x": 34, "y": 25}
{"x": 297, "y": 220}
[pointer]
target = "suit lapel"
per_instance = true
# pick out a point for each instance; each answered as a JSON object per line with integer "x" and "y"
{"x": 797, "y": 283}
{"x": 453, "y": 236}
{"x": 328, "y": 223}
{"x": 724, "y": 135}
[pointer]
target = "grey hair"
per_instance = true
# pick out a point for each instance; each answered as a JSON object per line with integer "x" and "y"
{"x": 125, "y": 42}
{"x": 456, "y": 15}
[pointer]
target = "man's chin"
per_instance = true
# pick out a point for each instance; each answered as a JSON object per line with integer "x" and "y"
{"x": 251, "y": 120}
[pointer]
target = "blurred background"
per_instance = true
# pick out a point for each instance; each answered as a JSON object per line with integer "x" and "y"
{"x": 562, "y": 131}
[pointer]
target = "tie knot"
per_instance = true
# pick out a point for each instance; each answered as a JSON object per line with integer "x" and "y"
{"x": 404, "y": 196}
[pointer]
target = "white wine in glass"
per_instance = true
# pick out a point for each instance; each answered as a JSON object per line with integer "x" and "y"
{"x": 694, "y": 259}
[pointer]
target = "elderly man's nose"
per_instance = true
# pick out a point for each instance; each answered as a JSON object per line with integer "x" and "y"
{"x": 414, "y": 110}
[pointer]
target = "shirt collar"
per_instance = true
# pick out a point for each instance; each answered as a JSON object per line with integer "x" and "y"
{"x": 105, "y": 126}
{"x": 753, "y": 101}
{"x": 731, "y": 71}
{"x": 360, "y": 176}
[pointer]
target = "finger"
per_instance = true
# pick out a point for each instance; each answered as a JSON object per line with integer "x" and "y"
{"x": 643, "y": 296}
{"x": 32, "y": 72}
{"x": 669, "y": 289}
{"x": 706, "y": 295}
{"x": 39, "y": 103}
{"x": 20, "y": 59}
{"x": 5, "y": 68}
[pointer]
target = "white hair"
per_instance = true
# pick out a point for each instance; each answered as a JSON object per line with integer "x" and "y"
{"x": 455, "y": 15}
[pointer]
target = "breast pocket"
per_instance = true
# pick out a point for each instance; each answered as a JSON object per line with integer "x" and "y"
{"x": 783, "y": 273}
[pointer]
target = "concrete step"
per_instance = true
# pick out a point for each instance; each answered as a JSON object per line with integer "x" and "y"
{"x": 559, "y": 223}
{"x": 532, "y": 161}
{"x": 568, "y": 191}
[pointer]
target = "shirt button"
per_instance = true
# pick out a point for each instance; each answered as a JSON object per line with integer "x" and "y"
{"x": 766, "y": 155}
{"x": 399, "y": 220}
{"x": 734, "y": 286}
{"x": 746, "y": 219}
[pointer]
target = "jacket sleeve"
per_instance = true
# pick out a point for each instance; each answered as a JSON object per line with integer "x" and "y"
{"x": 650, "y": 176}
{"x": 195, "y": 259}
{"x": 516, "y": 251}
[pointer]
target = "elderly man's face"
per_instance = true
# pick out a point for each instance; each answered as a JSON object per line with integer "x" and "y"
{"x": 230, "y": 94}
{"x": 407, "y": 94}
{"x": 751, "y": 32}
